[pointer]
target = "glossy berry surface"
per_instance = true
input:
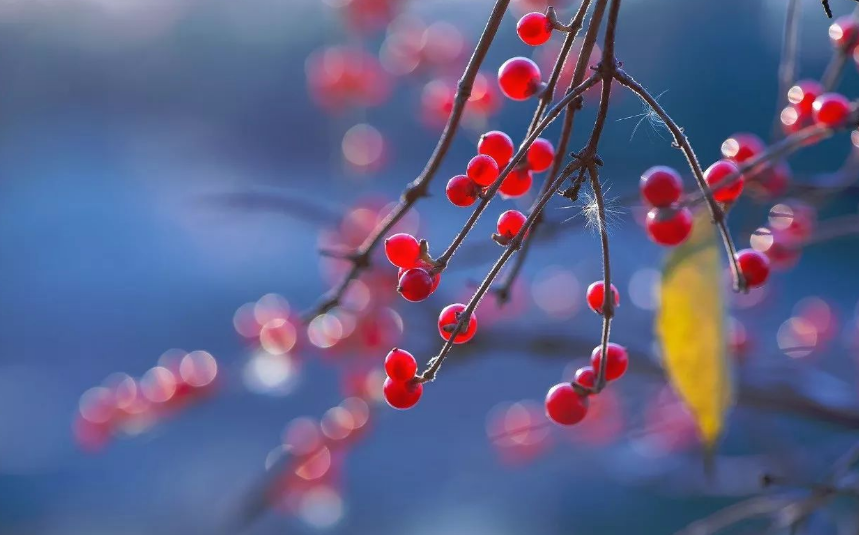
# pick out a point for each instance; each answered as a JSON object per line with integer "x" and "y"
{"x": 482, "y": 169}
{"x": 448, "y": 318}
{"x": 564, "y": 405}
{"x": 803, "y": 94}
{"x": 616, "y": 364}
{"x": 831, "y": 109}
{"x": 461, "y": 190}
{"x": 426, "y": 267}
{"x": 534, "y": 29}
{"x": 403, "y": 250}
{"x": 596, "y": 296}
{"x": 415, "y": 284}
{"x": 661, "y": 185}
{"x": 585, "y": 377}
{"x": 754, "y": 266}
{"x": 541, "y": 154}
{"x": 519, "y": 78}
{"x": 716, "y": 176}
{"x": 510, "y": 223}
{"x": 843, "y": 31}
{"x": 669, "y": 226}
{"x": 498, "y": 146}
{"x": 740, "y": 147}
{"x": 400, "y": 365}
{"x": 402, "y": 395}
{"x": 517, "y": 182}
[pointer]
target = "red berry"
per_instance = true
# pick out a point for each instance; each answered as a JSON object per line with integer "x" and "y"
{"x": 498, "y": 146}
{"x": 510, "y": 223}
{"x": 774, "y": 181}
{"x": 400, "y": 395}
{"x": 519, "y": 78}
{"x": 669, "y": 226}
{"x": 793, "y": 119}
{"x": 754, "y": 266}
{"x": 616, "y": 363}
{"x": 415, "y": 284}
{"x": 449, "y": 318}
{"x": 585, "y": 377}
{"x": 843, "y": 31}
{"x": 564, "y": 405}
{"x": 482, "y": 169}
{"x": 400, "y": 365}
{"x": 461, "y": 190}
{"x": 741, "y": 147}
{"x": 541, "y": 154}
{"x": 661, "y": 185}
{"x": 403, "y": 250}
{"x": 534, "y": 29}
{"x": 803, "y": 94}
{"x": 596, "y": 295}
{"x": 422, "y": 265}
{"x": 517, "y": 182}
{"x": 717, "y": 173}
{"x": 831, "y": 109}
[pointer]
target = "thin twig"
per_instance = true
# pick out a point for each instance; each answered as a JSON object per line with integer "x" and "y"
{"x": 504, "y": 287}
{"x": 551, "y": 115}
{"x": 682, "y": 142}
{"x": 418, "y": 188}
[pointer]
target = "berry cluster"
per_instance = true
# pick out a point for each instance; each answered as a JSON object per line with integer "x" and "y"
{"x": 124, "y": 405}
{"x": 401, "y": 390}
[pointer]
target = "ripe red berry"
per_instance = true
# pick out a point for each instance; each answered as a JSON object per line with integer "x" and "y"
{"x": 661, "y": 185}
{"x": 400, "y": 365}
{"x": 831, "y": 109}
{"x": 564, "y": 405}
{"x": 541, "y": 154}
{"x": 843, "y": 31}
{"x": 596, "y": 296}
{"x": 669, "y": 226}
{"x": 482, "y": 169}
{"x": 403, "y": 250}
{"x": 422, "y": 265}
{"x": 754, "y": 266}
{"x": 534, "y": 29}
{"x": 415, "y": 284}
{"x": 585, "y": 377}
{"x": 792, "y": 119}
{"x": 717, "y": 173}
{"x": 803, "y": 94}
{"x": 402, "y": 395}
{"x": 775, "y": 182}
{"x": 740, "y": 147}
{"x": 449, "y": 318}
{"x": 510, "y": 223}
{"x": 616, "y": 363}
{"x": 461, "y": 190}
{"x": 498, "y": 146}
{"x": 517, "y": 182}
{"x": 519, "y": 78}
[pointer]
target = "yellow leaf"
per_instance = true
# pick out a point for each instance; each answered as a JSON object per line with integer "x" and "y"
{"x": 691, "y": 327}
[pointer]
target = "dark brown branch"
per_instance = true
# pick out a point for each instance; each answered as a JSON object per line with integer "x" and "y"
{"x": 465, "y": 316}
{"x": 503, "y": 289}
{"x": 418, "y": 188}
{"x": 682, "y": 142}
{"x": 551, "y": 115}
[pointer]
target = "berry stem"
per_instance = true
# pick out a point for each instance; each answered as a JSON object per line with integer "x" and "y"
{"x": 681, "y": 141}
{"x": 418, "y": 188}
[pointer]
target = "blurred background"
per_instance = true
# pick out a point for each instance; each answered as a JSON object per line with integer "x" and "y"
{"x": 168, "y": 171}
